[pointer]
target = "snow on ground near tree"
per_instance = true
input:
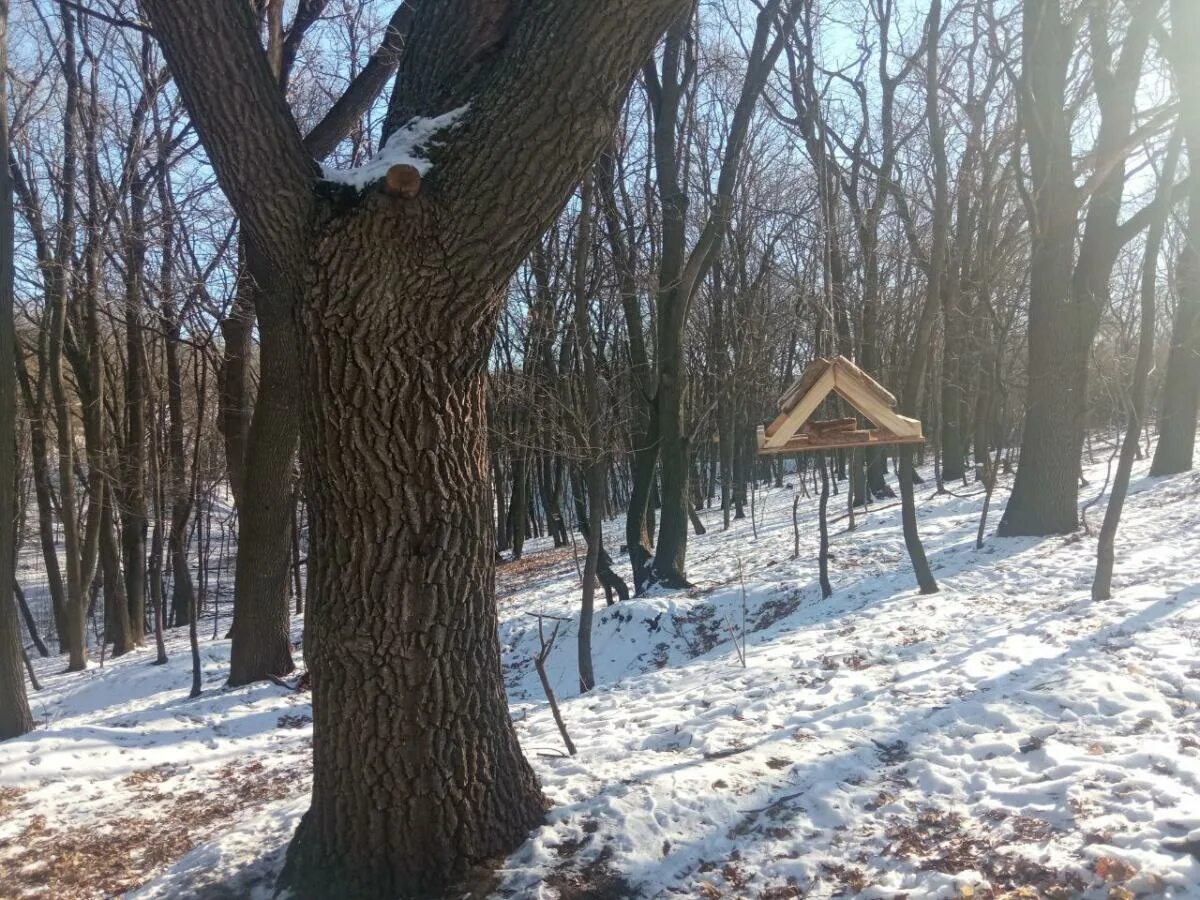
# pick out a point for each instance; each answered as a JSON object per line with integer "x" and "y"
{"x": 1004, "y": 735}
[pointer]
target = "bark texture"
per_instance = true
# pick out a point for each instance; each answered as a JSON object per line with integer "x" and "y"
{"x": 417, "y": 771}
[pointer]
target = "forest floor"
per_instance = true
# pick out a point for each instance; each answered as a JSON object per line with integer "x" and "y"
{"x": 1004, "y": 737}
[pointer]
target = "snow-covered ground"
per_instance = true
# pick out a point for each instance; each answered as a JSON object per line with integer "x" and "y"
{"x": 1005, "y": 737}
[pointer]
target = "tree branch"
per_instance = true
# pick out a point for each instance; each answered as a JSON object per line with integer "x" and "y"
{"x": 363, "y": 90}
{"x": 216, "y": 57}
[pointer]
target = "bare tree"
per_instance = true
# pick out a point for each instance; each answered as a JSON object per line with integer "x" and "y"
{"x": 14, "y": 709}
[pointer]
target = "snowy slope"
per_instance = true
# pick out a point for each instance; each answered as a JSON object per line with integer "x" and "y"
{"x": 1005, "y": 735}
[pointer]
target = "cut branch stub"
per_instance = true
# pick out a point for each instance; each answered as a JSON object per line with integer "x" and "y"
{"x": 402, "y": 181}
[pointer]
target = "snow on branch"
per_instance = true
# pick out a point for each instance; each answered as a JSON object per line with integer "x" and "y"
{"x": 405, "y": 147}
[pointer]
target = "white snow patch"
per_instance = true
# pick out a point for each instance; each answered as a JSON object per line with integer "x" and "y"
{"x": 1059, "y": 737}
{"x": 405, "y": 147}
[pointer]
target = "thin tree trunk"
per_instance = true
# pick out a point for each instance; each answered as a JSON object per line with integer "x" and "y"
{"x": 30, "y": 622}
{"x": 595, "y": 441}
{"x": 261, "y": 639}
{"x": 154, "y": 573}
{"x": 45, "y": 503}
{"x": 823, "y": 525}
{"x": 15, "y": 718}
{"x": 116, "y": 605}
{"x": 134, "y": 518}
{"x": 1105, "y": 551}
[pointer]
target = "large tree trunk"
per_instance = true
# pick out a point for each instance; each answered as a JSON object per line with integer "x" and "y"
{"x": 670, "y": 551}
{"x": 401, "y": 585}
{"x": 639, "y": 518}
{"x": 1066, "y": 298}
{"x": 1044, "y": 496}
{"x": 1181, "y": 389}
{"x": 416, "y": 769}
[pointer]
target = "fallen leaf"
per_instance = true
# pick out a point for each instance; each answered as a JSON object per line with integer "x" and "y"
{"x": 1112, "y": 869}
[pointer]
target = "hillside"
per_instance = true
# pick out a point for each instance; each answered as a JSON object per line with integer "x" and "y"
{"x": 1005, "y": 737}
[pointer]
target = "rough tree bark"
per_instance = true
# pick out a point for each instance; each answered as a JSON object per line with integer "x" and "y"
{"x": 260, "y": 636}
{"x": 417, "y": 772}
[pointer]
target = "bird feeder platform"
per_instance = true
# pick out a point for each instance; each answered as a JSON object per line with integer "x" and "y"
{"x": 792, "y": 432}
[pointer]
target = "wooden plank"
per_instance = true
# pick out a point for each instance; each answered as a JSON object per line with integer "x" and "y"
{"x": 803, "y": 384}
{"x": 869, "y": 383}
{"x": 831, "y": 426}
{"x": 787, "y": 424}
{"x": 797, "y": 445}
{"x": 867, "y": 402}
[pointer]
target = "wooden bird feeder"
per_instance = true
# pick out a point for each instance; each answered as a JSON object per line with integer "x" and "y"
{"x": 791, "y": 432}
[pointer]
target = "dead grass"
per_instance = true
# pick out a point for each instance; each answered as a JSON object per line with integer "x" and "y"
{"x": 942, "y": 841}
{"x": 594, "y": 880}
{"x": 109, "y": 857}
{"x": 513, "y": 578}
{"x": 10, "y": 800}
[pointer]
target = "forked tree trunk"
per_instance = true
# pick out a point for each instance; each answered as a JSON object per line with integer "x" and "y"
{"x": 416, "y": 769}
{"x": 1067, "y": 296}
{"x": 401, "y": 581}
{"x": 1044, "y": 496}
